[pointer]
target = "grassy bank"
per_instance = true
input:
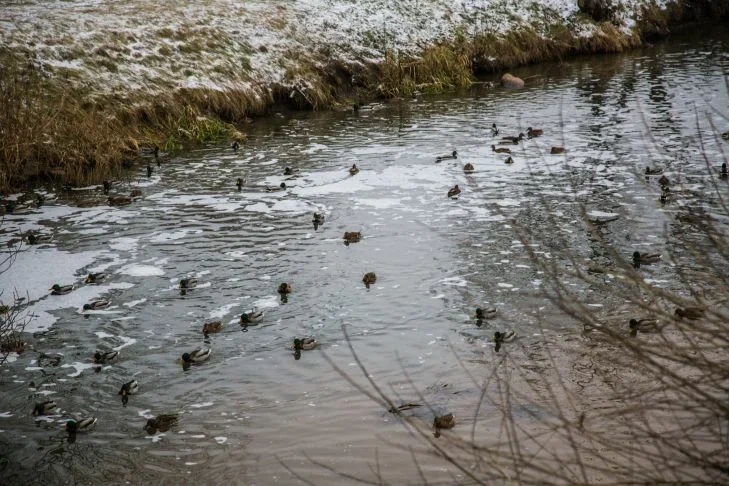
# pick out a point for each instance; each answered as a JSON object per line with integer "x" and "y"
{"x": 51, "y": 130}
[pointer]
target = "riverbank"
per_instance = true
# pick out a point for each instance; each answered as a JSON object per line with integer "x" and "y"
{"x": 89, "y": 84}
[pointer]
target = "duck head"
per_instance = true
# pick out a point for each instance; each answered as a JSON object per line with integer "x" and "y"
{"x": 664, "y": 198}
{"x": 636, "y": 257}
{"x": 297, "y": 344}
{"x": 71, "y": 426}
{"x": 282, "y": 185}
{"x": 87, "y": 307}
{"x": 455, "y": 154}
{"x": 479, "y": 313}
{"x": 186, "y": 358}
{"x": 723, "y": 168}
{"x": 55, "y": 287}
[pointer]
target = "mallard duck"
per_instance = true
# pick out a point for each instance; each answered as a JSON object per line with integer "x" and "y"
{"x": 135, "y": 193}
{"x": 36, "y": 238}
{"x": 318, "y": 219}
{"x": 352, "y": 237}
{"x": 160, "y": 423}
{"x": 102, "y": 357}
{"x": 724, "y": 174}
{"x": 196, "y": 356}
{"x": 454, "y": 191}
{"x": 149, "y": 170}
{"x": 129, "y": 388}
{"x": 453, "y": 155}
{"x": 514, "y": 140}
{"x": 494, "y": 130}
{"x": 211, "y": 327}
{"x": 664, "y": 198}
{"x": 95, "y": 277}
{"x": 281, "y": 187}
{"x": 188, "y": 283}
{"x": 239, "y": 184}
{"x": 251, "y": 318}
{"x": 468, "y": 168}
{"x": 509, "y": 160}
{"x": 354, "y": 169}
{"x": 403, "y": 407}
{"x": 447, "y": 421}
{"x": 500, "y": 150}
{"x": 305, "y": 344}
{"x": 74, "y": 426}
{"x": 87, "y": 203}
{"x": 43, "y": 408}
{"x": 289, "y": 171}
{"x": 534, "y": 132}
{"x": 557, "y": 150}
{"x": 107, "y": 187}
{"x": 643, "y": 325}
{"x": 645, "y": 258}
{"x": 97, "y": 304}
{"x": 119, "y": 200}
{"x": 725, "y": 135}
{"x": 503, "y": 337}
{"x": 487, "y": 313}
{"x": 653, "y": 171}
{"x": 369, "y": 278}
{"x": 284, "y": 288}
{"x": 664, "y": 182}
{"x": 61, "y": 289}
{"x": 235, "y": 146}
{"x": 691, "y": 313}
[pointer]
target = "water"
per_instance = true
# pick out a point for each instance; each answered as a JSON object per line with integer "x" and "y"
{"x": 253, "y": 406}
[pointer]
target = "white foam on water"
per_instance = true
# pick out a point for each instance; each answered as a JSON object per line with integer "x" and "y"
{"x": 202, "y": 405}
{"x": 80, "y": 367}
{"x": 145, "y": 413}
{"x": 133, "y": 303}
{"x": 5, "y": 414}
{"x": 455, "y": 281}
{"x": 222, "y": 311}
{"x": 126, "y": 341}
{"x": 124, "y": 244}
{"x": 176, "y": 236}
{"x": 221, "y": 440}
{"x": 268, "y": 302}
{"x": 136, "y": 270}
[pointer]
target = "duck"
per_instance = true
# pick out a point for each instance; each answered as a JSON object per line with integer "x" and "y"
{"x": 149, "y": 170}
{"x": 534, "y": 132}
{"x": 691, "y": 313}
{"x": 281, "y": 187}
{"x": 196, "y": 356}
{"x": 239, "y": 184}
{"x": 724, "y": 174}
{"x": 160, "y": 423}
{"x": 514, "y": 140}
{"x": 74, "y": 426}
{"x": 643, "y": 325}
{"x": 468, "y": 168}
{"x": 725, "y": 135}
{"x": 87, "y": 203}
{"x": 454, "y": 191}
{"x": 188, "y": 283}
{"x": 305, "y": 344}
{"x": 447, "y": 421}
{"x": 211, "y": 327}
{"x": 97, "y": 305}
{"x": 494, "y": 129}
{"x": 235, "y": 146}
{"x": 487, "y": 313}
{"x": 119, "y": 200}
{"x": 129, "y": 388}
{"x": 284, "y": 288}
{"x": 107, "y": 187}
{"x": 645, "y": 258}
{"x": 509, "y": 160}
{"x": 354, "y": 169}
{"x": 61, "y": 289}
{"x": 403, "y": 407}
{"x": 102, "y": 357}
{"x": 664, "y": 182}
{"x": 135, "y": 193}
{"x": 557, "y": 150}
{"x": 318, "y": 219}
{"x": 43, "y": 408}
{"x": 653, "y": 171}
{"x": 664, "y": 198}
{"x": 251, "y": 318}
{"x": 503, "y": 337}
{"x": 289, "y": 171}
{"x": 369, "y": 278}
{"x": 36, "y": 238}
{"x": 440, "y": 158}
{"x": 95, "y": 277}
{"x": 352, "y": 237}
{"x": 500, "y": 150}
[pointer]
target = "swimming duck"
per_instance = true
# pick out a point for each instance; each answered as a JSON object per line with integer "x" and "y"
{"x": 440, "y": 158}
{"x": 654, "y": 171}
{"x": 503, "y": 337}
{"x": 97, "y": 304}
{"x": 487, "y": 313}
{"x": 61, "y": 289}
{"x": 288, "y": 171}
{"x": 119, "y": 200}
{"x": 251, "y": 318}
{"x": 318, "y": 218}
{"x": 500, "y": 150}
{"x": 235, "y": 146}
{"x": 74, "y": 426}
{"x": 403, "y": 407}
{"x": 95, "y": 277}
{"x": 129, "y": 388}
{"x": 447, "y": 421}
{"x": 161, "y": 423}
{"x": 239, "y": 183}
{"x": 557, "y": 150}
{"x": 691, "y": 313}
{"x": 664, "y": 198}
{"x": 724, "y": 174}
{"x": 645, "y": 258}
{"x": 352, "y": 237}
{"x": 196, "y": 356}
{"x": 514, "y": 140}
{"x": 107, "y": 187}
{"x": 369, "y": 278}
{"x": 149, "y": 170}
{"x": 642, "y": 325}
{"x": 211, "y": 327}
{"x": 305, "y": 344}
{"x": 494, "y": 130}
{"x": 664, "y": 182}
{"x": 534, "y": 132}
{"x": 454, "y": 191}
{"x": 284, "y": 288}
{"x": 135, "y": 193}
{"x": 43, "y": 408}
{"x": 725, "y": 135}
{"x": 102, "y": 357}
{"x": 353, "y": 170}
{"x": 36, "y": 238}
{"x": 281, "y": 187}
{"x": 188, "y": 283}
{"x": 468, "y": 168}
{"x": 509, "y": 160}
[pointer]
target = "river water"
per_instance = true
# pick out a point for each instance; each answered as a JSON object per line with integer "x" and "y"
{"x": 252, "y": 410}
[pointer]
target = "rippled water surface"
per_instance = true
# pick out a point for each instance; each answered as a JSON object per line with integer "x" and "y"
{"x": 253, "y": 406}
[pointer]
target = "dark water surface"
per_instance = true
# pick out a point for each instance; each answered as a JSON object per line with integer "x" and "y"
{"x": 253, "y": 406}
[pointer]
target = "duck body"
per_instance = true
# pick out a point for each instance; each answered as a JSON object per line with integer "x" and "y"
{"x": 188, "y": 283}
{"x": 454, "y": 191}
{"x": 369, "y": 278}
{"x": 487, "y": 313}
{"x": 645, "y": 258}
{"x": 211, "y": 327}
{"x": 95, "y": 277}
{"x": 534, "y": 132}
{"x": 509, "y": 160}
{"x": 503, "y": 337}
{"x": 354, "y": 169}
{"x": 239, "y": 184}
{"x": 447, "y": 421}
{"x": 284, "y": 288}
{"x": 160, "y": 423}
{"x": 235, "y": 146}
{"x": 44, "y": 408}
{"x": 305, "y": 344}
{"x": 119, "y": 200}
{"x": 129, "y": 388}
{"x": 653, "y": 171}
{"x": 352, "y": 237}
{"x": 251, "y": 318}
{"x": 468, "y": 168}
{"x": 97, "y": 305}
{"x": 691, "y": 313}
{"x": 61, "y": 289}
{"x": 318, "y": 218}
{"x": 36, "y": 238}
{"x": 664, "y": 182}
{"x": 513, "y": 140}
{"x": 135, "y": 193}
{"x": 557, "y": 150}
{"x": 83, "y": 425}
{"x": 103, "y": 357}
{"x": 500, "y": 150}
{"x": 440, "y": 158}
{"x": 197, "y": 355}
{"x": 281, "y": 187}
{"x": 643, "y": 325}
